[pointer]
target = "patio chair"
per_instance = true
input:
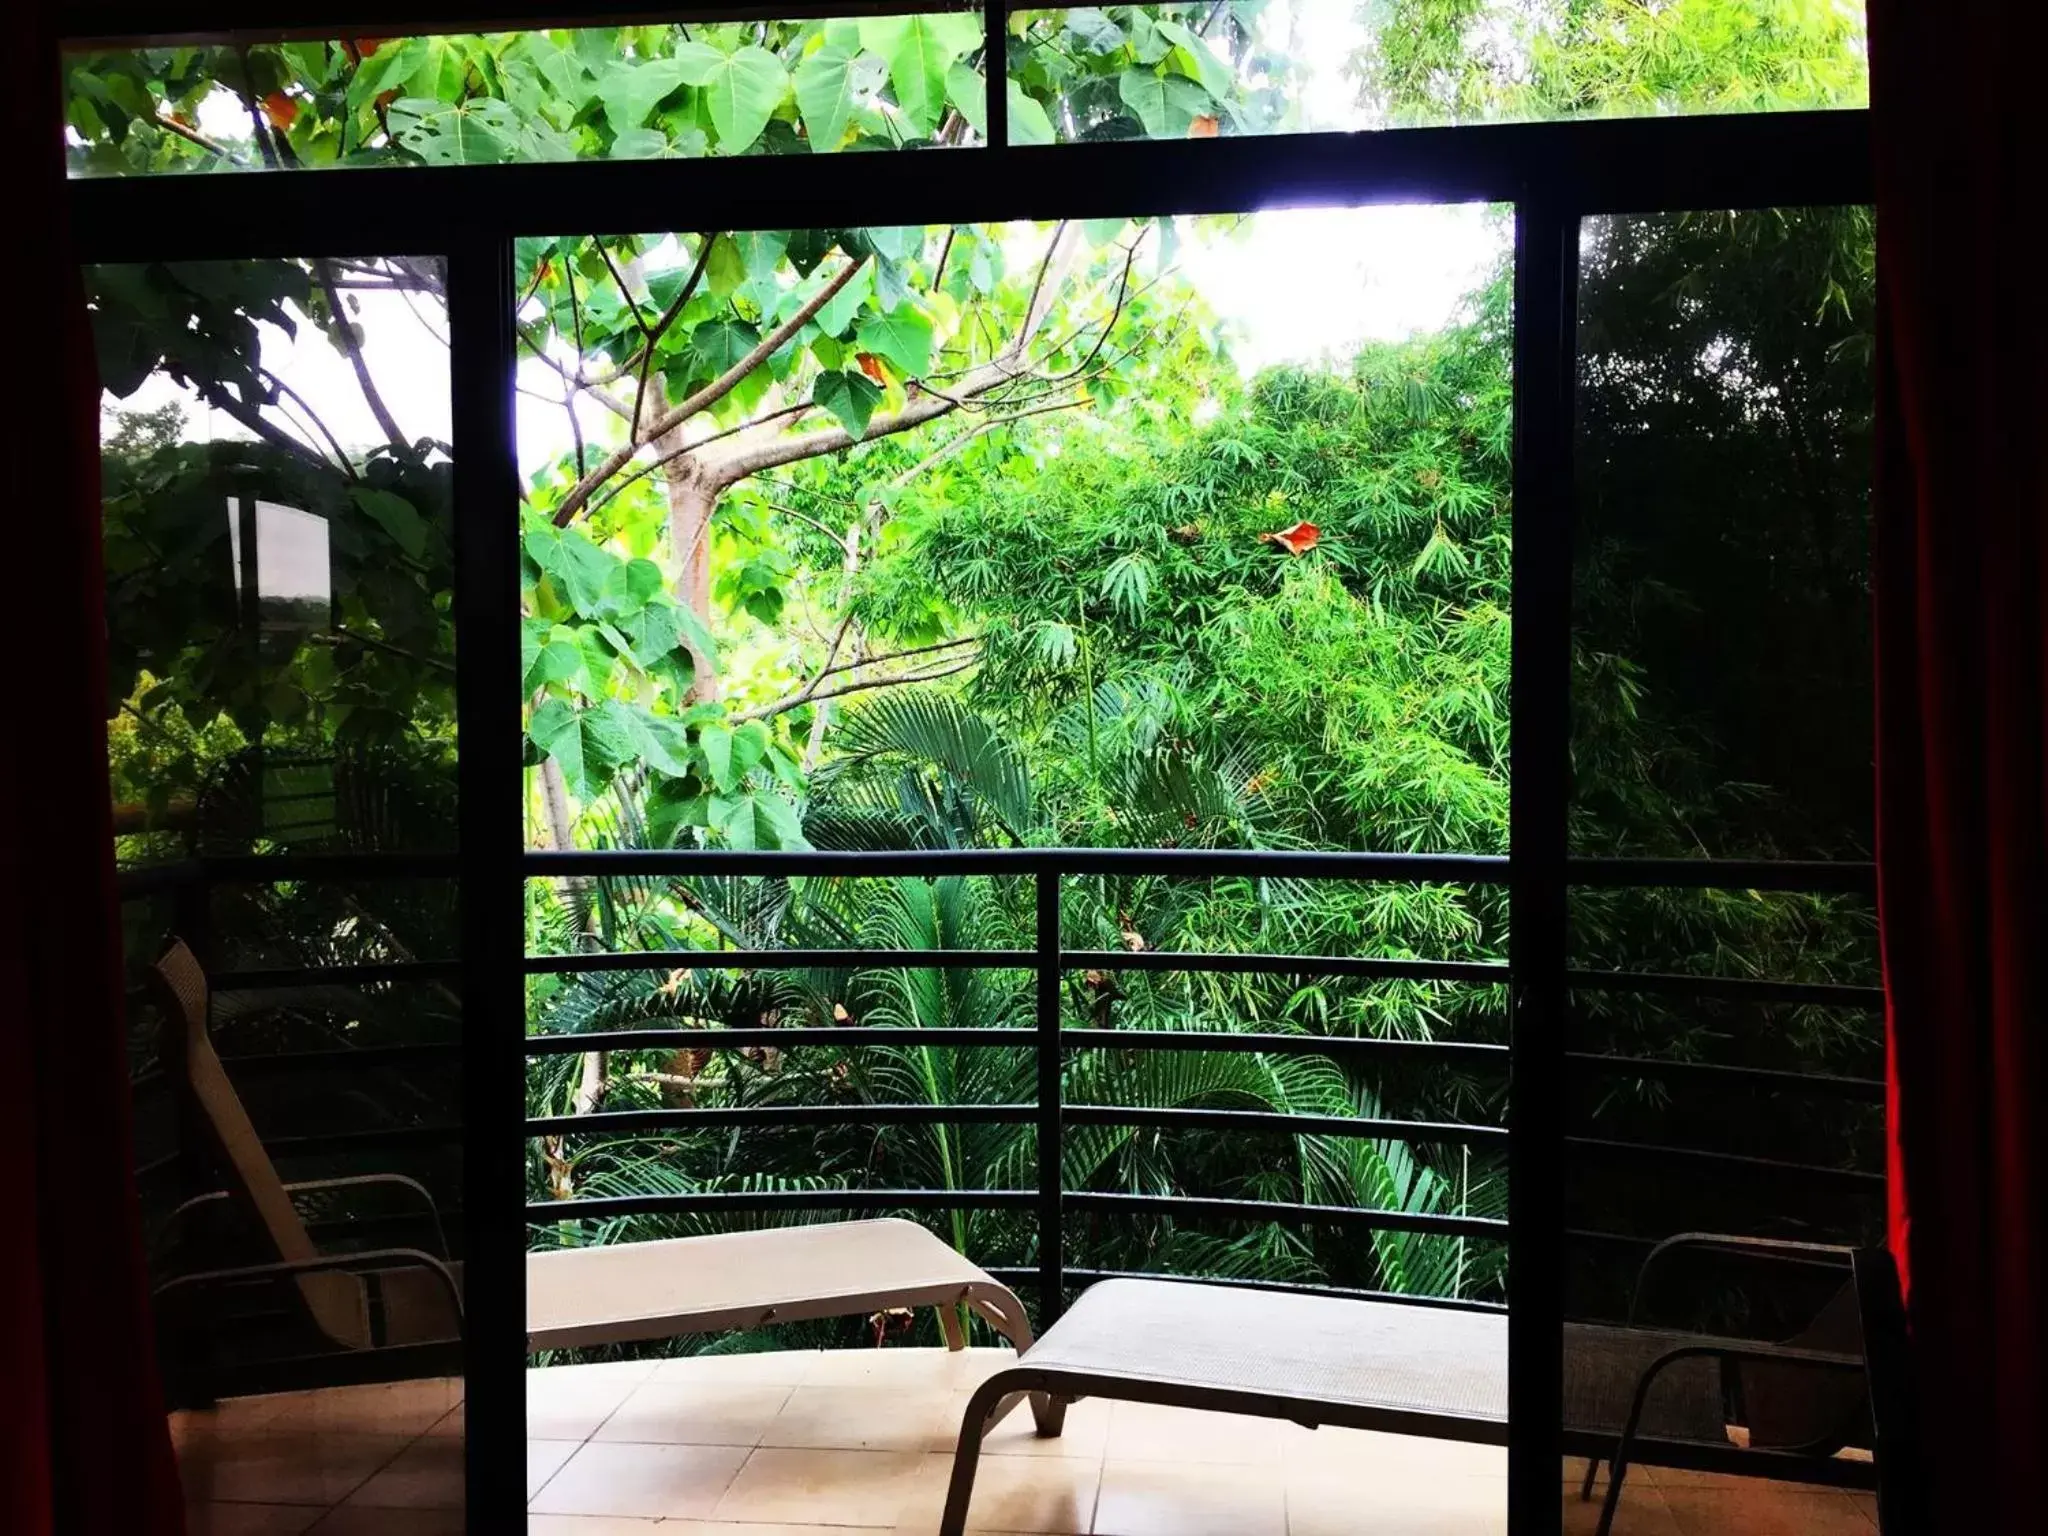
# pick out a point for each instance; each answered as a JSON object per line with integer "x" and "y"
{"x": 387, "y": 1298}
{"x": 576, "y": 1297}
{"x": 1670, "y": 1397}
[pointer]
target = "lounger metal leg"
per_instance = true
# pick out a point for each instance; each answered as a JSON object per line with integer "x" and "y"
{"x": 1592, "y": 1471}
{"x": 1006, "y": 1314}
{"x": 967, "y": 1455}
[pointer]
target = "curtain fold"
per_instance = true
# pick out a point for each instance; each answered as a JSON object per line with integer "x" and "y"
{"x": 84, "y": 1448}
{"x": 1961, "y": 519}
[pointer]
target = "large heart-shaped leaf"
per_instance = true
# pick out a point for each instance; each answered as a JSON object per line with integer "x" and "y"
{"x": 1211, "y": 71}
{"x": 920, "y": 49}
{"x": 903, "y": 336}
{"x": 715, "y": 743}
{"x": 588, "y": 744}
{"x": 742, "y": 91}
{"x": 764, "y": 821}
{"x": 836, "y": 315}
{"x": 721, "y": 344}
{"x": 480, "y": 132}
{"x": 848, "y": 396}
{"x": 1165, "y": 104}
{"x": 824, "y": 95}
{"x": 630, "y": 91}
{"x": 399, "y": 518}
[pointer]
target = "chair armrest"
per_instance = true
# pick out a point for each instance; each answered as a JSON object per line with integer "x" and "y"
{"x": 375, "y": 1259}
{"x": 358, "y": 1180}
{"x": 400, "y": 1180}
{"x": 1783, "y": 1249}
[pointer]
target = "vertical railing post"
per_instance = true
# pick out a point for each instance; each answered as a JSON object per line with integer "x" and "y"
{"x": 1051, "y": 1232}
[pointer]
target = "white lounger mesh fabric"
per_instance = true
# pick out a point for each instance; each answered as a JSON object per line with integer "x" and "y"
{"x": 1317, "y": 1349}
{"x": 693, "y": 1284}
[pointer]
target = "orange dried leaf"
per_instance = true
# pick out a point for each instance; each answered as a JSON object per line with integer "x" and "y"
{"x": 871, "y": 365}
{"x": 281, "y": 110}
{"x": 368, "y": 46}
{"x": 1203, "y": 127}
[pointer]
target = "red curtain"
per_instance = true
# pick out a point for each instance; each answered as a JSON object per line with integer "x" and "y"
{"x": 84, "y": 1450}
{"x": 1962, "y": 639}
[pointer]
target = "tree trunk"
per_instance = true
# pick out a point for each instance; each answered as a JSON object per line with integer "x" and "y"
{"x": 691, "y": 502}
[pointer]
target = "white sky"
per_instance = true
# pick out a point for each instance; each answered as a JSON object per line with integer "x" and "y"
{"x": 1292, "y": 285}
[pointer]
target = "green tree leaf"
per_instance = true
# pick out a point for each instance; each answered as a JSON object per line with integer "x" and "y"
{"x": 851, "y": 397}
{"x": 715, "y": 743}
{"x": 903, "y": 336}
{"x": 721, "y": 344}
{"x": 630, "y": 91}
{"x": 1028, "y": 121}
{"x": 399, "y": 518}
{"x": 742, "y": 92}
{"x": 1213, "y": 73}
{"x": 920, "y": 49}
{"x": 1165, "y": 104}
{"x": 824, "y": 95}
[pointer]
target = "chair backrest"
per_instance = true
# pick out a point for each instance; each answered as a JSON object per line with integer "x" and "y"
{"x": 1799, "y": 1408}
{"x": 336, "y": 1301}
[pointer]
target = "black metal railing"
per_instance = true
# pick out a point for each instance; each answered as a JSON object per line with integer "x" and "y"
{"x": 1052, "y": 1040}
{"x": 1050, "y": 962}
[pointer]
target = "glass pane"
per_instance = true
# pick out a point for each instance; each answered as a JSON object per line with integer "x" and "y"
{"x": 276, "y": 471}
{"x": 1026, "y": 534}
{"x": 1729, "y": 1080}
{"x": 1201, "y": 70}
{"x": 1722, "y": 704}
{"x": 678, "y": 90}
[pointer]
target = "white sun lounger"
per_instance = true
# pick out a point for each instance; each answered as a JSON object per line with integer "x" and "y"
{"x": 606, "y": 1294}
{"x": 1313, "y": 1359}
{"x": 627, "y": 1291}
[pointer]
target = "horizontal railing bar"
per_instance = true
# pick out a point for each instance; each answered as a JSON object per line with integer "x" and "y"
{"x": 272, "y": 869}
{"x": 1251, "y": 1121}
{"x": 768, "y": 1116}
{"x": 1483, "y": 972}
{"x": 1816, "y": 876}
{"x": 1471, "y": 1052}
{"x": 334, "y": 975}
{"x": 1292, "y": 1288}
{"x": 1427, "y": 1222}
{"x": 1734, "y": 1162}
{"x": 150, "y": 879}
{"x": 336, "y": 1141}
{"x": 341, "y": 1059}
{"x": 782, "y": 959}
{"x": 1189, "y": 863}
{"x": 779, "y": 1039}
{"x": 602, "y": 1206}
{"x": 1590, "y": 1236}
{"x": 1820, "y": 994}
{"x": 1820, "y": 1083}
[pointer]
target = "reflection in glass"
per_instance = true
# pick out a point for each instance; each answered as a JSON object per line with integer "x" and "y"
{"x": 1203, "y": 70}
{"x": 276, "y": 479}
{"x": 664, "y": 91}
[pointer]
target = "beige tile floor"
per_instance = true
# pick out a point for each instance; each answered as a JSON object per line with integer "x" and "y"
{"x": 857, "y": 1443}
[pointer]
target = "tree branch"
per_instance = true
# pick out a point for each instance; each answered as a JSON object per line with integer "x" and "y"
{"x": 278, "y": 386}
{"x": 783, "y": 706}
{"x": 708, "y": 396}
{"x": 1005, "y": 367}
{"x": 346, "y": 339}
